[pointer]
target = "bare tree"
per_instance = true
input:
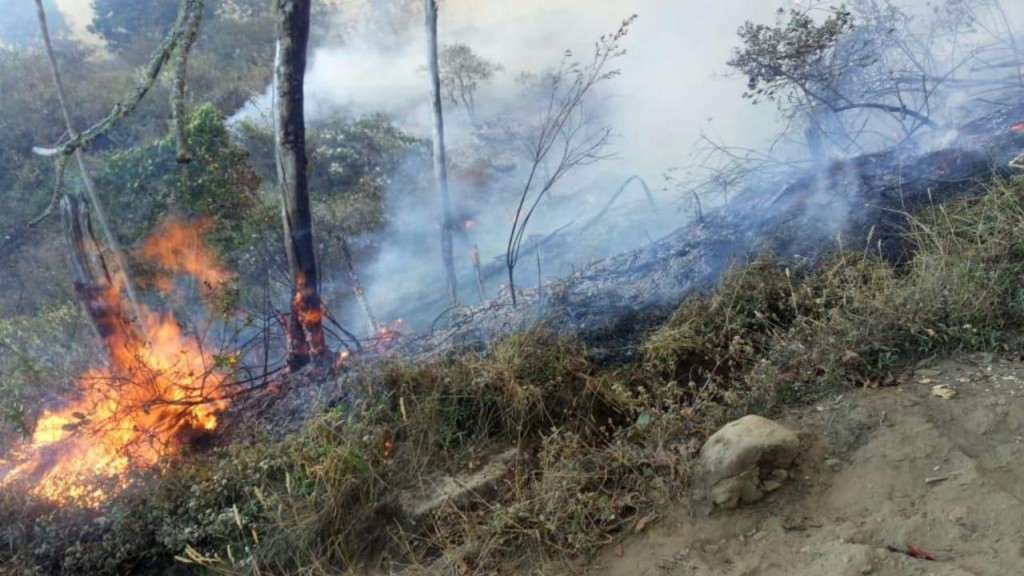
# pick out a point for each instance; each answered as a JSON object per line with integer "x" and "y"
{"x": 566, "y": 137}
{"x": 305, "y": 325}
{"x": 440, "y": 159}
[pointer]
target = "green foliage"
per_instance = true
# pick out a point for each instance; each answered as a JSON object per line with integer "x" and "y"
{"x": 356, "y": 163}
{"x": 142, "y": 184}
{"x": 791, "y": 57}
{"x": 30, "y": 116}
{"x": 124, "y": 24}
{"x": 39, "y": 355}
{"x": 353, "y": 164}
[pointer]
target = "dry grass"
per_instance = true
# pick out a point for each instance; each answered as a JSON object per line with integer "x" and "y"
{"x": 606, "y": 447}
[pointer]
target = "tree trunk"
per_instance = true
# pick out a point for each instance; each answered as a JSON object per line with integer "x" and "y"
{"x": 92, "y": 280}
{"x": 440, "y": 161}
{"x": 305, "y": 326}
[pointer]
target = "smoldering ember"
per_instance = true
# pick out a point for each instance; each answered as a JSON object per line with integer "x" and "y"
{"x": 534, "y": 286}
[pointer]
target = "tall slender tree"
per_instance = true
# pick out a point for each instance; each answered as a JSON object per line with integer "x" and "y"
{"x": 440, "y": 160}
{"x": 305, "y": 325}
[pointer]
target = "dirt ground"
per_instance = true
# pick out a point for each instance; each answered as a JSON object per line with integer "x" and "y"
{"x": 880, "y": 471}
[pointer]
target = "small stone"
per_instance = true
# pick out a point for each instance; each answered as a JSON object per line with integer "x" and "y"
{"x": 833, "y": 464}
{"x": 711, "y": 549}
{"x": 944, "y": 391}
{"x": 779, "y": 475}
{"x": 771, "y": 485}
{"x": 760, "y": 536}
{"x": 867, "y": 569}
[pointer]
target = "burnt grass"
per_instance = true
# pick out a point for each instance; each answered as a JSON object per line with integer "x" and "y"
{"x": 607, "y": 403}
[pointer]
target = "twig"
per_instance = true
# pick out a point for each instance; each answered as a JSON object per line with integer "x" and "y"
{"x": 474, "y": 257}
{"x": 58, "y": 186}
{"x": 357, "y": 287}
{"x": 540, "y": 279}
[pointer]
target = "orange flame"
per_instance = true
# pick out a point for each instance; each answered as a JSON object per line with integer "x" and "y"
{"x": 157, "y": 393}
{"x": 387, "y": 334}
{"x": 179, "y": 247}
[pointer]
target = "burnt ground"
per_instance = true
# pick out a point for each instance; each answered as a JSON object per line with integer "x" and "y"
{"x": 880, "y": 471}
{"x": 861, "y": 203}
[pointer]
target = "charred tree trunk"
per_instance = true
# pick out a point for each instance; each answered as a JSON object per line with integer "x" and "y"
{"x": 91, "y": 277}
{"x": 440, "y": 160}
{"x": 305, "y": 326}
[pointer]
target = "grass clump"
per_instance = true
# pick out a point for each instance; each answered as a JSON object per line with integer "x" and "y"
{"x": 772, "y": 334}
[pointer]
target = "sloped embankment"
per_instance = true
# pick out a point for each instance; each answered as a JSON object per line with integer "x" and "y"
{"x": 882, "y": 472}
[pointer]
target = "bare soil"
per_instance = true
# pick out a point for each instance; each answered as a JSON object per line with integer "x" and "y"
{"x": 881, "y": 471}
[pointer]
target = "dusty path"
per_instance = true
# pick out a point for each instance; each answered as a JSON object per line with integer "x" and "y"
{"x": 860, "y": 486}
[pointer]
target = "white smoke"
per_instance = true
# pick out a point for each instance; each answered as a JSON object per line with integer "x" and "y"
{"x": 674, "y": 86}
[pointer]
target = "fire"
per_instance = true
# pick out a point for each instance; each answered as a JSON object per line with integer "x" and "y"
{"x": 1018, "y": 127}
{"x": 160, "y": 389}
{"x": 387, "y": 334}
{"x": 179, "y": 248}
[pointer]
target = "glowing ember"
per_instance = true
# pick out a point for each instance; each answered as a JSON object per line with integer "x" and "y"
{"x": 158, "y": 392}
{"x": 389, "y": 332}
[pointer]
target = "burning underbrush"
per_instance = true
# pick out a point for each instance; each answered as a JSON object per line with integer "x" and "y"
{"x": 159, "y": 390}
{"x": 604, "y": 446}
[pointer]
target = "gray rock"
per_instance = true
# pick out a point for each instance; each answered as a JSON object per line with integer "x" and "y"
{"x": 735, "y": 459}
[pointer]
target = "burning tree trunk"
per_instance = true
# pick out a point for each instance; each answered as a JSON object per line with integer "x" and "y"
{"x": 91, "y": 277}
{"x": 440, "y": 161}
{"x": 305, "y": 326}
